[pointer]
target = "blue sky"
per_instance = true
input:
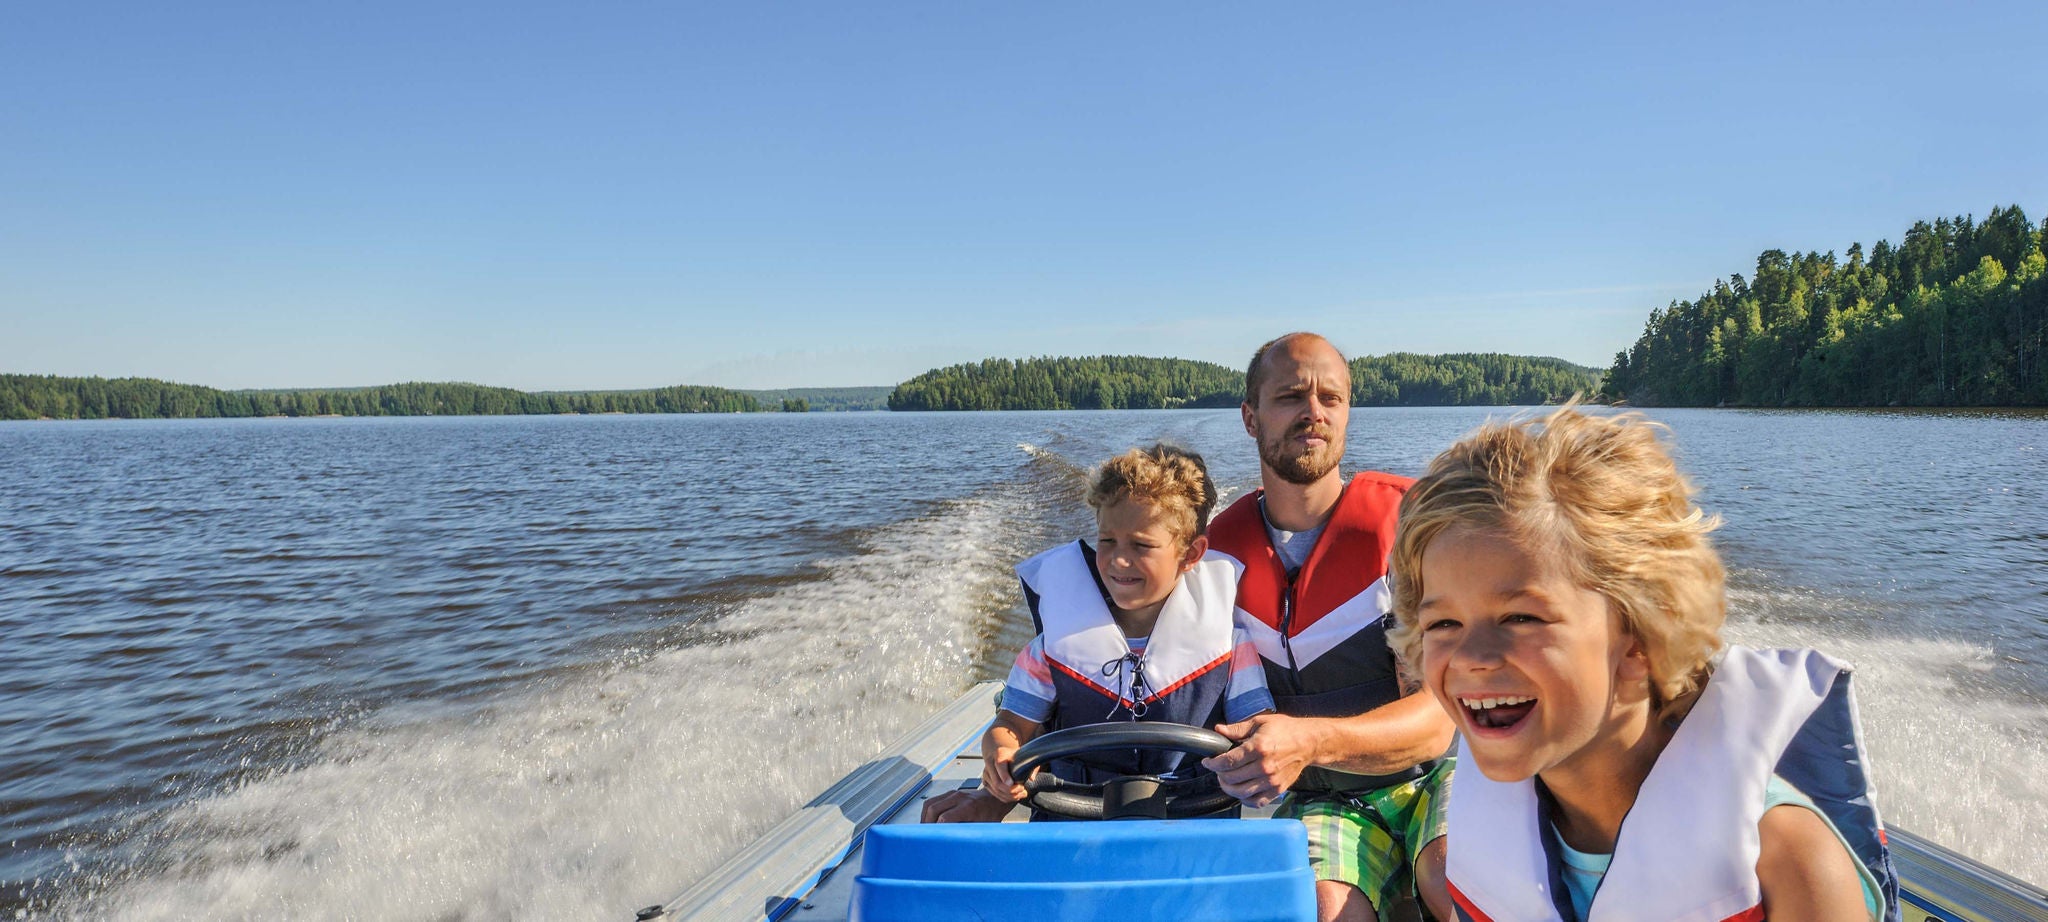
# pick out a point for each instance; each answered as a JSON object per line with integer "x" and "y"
{"x": 780, "y": 194}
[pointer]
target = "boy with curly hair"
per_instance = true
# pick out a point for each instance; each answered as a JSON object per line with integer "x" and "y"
{"x": 1137, "y": 627}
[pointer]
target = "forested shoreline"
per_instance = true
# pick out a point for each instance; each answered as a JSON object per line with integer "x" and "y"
{"x": 1467, "y": 379}
{"x": 1117, "y": 382}
{"x": 824, "y": 399}
{"x": 1098, "y": 382}
{"x": 54, "y": 397}
{"x": 1955, "y": 315}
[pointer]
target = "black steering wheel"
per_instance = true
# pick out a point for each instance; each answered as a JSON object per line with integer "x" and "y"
{"x": 1123, "y": 796}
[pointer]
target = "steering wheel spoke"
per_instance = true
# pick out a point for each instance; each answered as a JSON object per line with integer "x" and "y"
{"x": 1046, "y": 782}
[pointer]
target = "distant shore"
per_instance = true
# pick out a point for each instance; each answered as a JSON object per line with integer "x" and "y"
{"x": 30, "y": 397}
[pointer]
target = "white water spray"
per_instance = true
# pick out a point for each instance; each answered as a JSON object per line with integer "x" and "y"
{"x": 1954, "y": 761}
{"x": 605, "y": 793}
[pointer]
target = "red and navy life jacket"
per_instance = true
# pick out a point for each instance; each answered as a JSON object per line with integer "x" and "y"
{"x": 1182, "y": 677}
{"x": 1322, "y": 630}
{"x": 1688, "y": 850}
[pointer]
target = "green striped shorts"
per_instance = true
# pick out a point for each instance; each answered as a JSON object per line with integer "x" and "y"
{"x": 1370, "y": 839}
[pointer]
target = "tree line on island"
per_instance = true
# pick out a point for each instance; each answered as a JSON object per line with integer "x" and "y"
{"x": 830, "y": 399}
{"x": 47, "y": 396}
{"x": 1955, "y": 315}
{"x": 1120, "y": 382}
{"x": 54, "y": 397}
{"x": 1099, "y": 382}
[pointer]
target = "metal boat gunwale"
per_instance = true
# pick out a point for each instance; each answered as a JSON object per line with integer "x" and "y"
{"x": 774, "y": 875}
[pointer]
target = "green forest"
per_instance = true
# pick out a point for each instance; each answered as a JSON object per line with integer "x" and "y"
{"x": 1489, "y": 379}
{"x": 1955, "y": 315}
{"x": 1095, "y": 382}
{"x": 46, "y": 396}
{"x": 1098, "y": 382}
{"x": 826, "y": 399}
{"x": 1115, "y": 382}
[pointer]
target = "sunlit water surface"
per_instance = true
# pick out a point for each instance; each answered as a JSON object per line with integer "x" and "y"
{"x": 560, "y": 667}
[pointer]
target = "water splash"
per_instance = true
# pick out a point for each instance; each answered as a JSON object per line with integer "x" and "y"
{"x": 1955, "y": 756}
{"x": 604, "y": 792}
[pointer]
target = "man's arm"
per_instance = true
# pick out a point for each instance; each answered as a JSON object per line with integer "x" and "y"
{"x": 1274, "y": 748}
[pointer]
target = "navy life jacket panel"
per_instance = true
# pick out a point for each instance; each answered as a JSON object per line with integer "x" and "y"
{"x": 1688, "y": 849}
{"x": 1827, "y": 762}
{"x": 1322, "y": 630}
{"x": 1182, "y": 677}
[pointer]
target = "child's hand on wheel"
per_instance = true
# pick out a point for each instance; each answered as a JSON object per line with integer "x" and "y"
{"x": 995, "y": 776}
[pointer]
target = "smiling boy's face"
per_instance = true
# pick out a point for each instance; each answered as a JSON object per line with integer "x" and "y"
{"x": 1532, "y": 667}
{"x": 1139, "y": 554}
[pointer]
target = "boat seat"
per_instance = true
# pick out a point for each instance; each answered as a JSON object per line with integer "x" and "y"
{"x": 1128, "y": 870}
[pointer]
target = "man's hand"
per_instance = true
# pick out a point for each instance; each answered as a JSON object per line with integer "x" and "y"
{"x": 1272, "y": 750}
{"x": 995, "y": 775}
{"x": 975, "y": 806}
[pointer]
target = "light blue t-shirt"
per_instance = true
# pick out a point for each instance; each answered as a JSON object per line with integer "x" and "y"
{"x": 1584, "y": 870}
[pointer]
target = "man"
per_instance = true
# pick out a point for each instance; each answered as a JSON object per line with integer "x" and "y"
{"x": 1359, "y": 757}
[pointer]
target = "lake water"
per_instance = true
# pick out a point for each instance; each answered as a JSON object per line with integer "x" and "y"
{"x": 561, "y": 667}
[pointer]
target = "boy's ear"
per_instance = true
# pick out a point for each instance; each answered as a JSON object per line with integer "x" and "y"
{"x": 1635, "y": 664}
{"x": 1196, "y": 549}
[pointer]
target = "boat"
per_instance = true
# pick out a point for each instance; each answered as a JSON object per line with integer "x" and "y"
{"x": 844, "y": 856}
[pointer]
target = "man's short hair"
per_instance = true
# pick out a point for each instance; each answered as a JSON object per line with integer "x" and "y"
{"x": 1255, "y": 373}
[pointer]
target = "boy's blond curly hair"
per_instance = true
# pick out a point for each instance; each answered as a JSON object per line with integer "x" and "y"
{"x": 1604, "y": 490}
{"x": 1165, "y": 477}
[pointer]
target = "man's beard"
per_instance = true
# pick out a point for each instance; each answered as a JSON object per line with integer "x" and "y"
{"x": 1305, "y": 466}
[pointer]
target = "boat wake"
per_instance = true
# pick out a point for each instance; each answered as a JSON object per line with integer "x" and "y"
{"x": 604, "y": 791}
{"x": 1955, "y": 756}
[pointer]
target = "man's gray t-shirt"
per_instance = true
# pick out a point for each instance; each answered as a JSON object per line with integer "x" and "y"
{"x": 1293, "y": 546}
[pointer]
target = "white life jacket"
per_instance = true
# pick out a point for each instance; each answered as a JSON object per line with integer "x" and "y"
{"x": 1183, "y": 675}
{"x": 1688, "y": 849}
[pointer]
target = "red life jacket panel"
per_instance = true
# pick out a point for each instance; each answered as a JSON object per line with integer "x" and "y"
{"x": 1322, "y": 631}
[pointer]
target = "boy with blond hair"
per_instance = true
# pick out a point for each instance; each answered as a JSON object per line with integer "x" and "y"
{"x": 1556, "y": 593}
